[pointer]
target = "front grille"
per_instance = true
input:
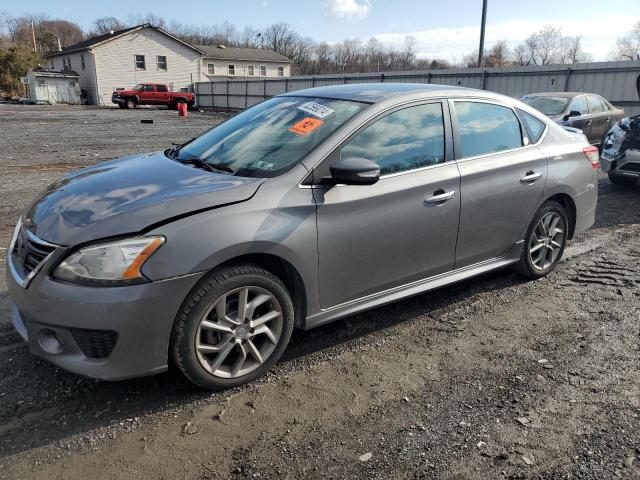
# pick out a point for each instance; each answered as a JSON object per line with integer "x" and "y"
{"x": 631, "y": 167}
{"x": 29, "y": 251}
{"x": 95, "y": 343}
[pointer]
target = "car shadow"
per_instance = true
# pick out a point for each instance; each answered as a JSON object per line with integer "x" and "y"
{"x": 618, "y": 205}
{"x": 40, "y": 404}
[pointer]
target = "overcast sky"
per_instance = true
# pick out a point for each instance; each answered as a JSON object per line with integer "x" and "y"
{"x": 444, "y": 29}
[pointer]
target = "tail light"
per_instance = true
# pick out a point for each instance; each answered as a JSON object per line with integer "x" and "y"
{"x": 593, "y": 155}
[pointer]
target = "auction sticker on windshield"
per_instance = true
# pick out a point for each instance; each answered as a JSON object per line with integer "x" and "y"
{"x": 316, "y": 109}
{"x": 306, "y": 126}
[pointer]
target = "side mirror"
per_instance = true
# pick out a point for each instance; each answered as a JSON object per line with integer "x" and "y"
{"x": 572, "y": 113}
{"x": 354, "y": 171}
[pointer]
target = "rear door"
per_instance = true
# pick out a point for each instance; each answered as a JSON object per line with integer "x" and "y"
{"x": 401, "y": 229}
{"x": 162, "y": 95}
{"x": 502, "y": 179}
{"x": 601, "y": 118}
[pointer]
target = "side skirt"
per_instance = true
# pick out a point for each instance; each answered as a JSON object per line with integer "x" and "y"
{"x": 398, "y": 293}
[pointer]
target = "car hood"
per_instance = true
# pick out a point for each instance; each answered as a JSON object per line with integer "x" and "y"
{"x": 128, "y": 195}
{"x": 126, "y": 92}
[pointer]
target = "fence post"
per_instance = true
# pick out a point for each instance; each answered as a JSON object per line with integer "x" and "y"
{"x": 382, "y": 78}
{"x": 313, "y": 81}
{"x": 566, "y": 80}
{"x": 227, "y": 94}
{"x": 484, "y": 79}
{"x": 213, "y": 94}
{"x": 344, "y": 79}
{"x": 246, "y": 93}
{"x": 264, "y": 89}
{"x": 286, "y": 85}
{"x": 429, "y": 75}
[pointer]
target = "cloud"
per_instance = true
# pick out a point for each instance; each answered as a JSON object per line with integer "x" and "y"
{"x": 598, "y": 37}
{"x": 348, "y": 9}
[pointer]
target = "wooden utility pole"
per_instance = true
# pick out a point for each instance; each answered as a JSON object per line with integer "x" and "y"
{"x": 33, "y": 34}
{"x": 482, "y": 27}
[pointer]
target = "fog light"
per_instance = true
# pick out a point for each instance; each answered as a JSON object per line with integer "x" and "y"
{"x": 49, "y": 341}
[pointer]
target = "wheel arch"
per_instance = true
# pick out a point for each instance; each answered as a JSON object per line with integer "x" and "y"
{"x": 569, "y": 205}
{"x": 282, "y": 269}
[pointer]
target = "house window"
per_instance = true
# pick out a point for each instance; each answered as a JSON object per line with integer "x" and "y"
{"x": 250, "y": 71}
{"x": 232, "y": 70}
{"x": 211, "y": 69}
{"x": 82, "y": 65}
{"x": 281, "y": 71}
{"x": 263, "y": 70}
{"x": 41, "y": 83}
{"x": 140, "y": 63}
{"x": 72, "y": 83}
{"x": 162, "y": 62}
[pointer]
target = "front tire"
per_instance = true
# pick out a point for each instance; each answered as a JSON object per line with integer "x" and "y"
{"x": 131, "y": 103}
{"x": 233, "y": 327}
{"x": 545, "y": 241}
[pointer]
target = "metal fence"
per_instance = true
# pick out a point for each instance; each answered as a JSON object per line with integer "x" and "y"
{"x": 618, "y": 82}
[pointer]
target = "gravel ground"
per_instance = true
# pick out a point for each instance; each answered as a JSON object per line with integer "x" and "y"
{"x": 496, "y": 377}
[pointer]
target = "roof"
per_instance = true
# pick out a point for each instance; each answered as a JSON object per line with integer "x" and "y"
{"x": 107, "y": 37}
{"x": 237, "y": 53}
{"x": 555, "y": 94}
{"x": 370, "y": 92}
{"x": 51, "y": 72}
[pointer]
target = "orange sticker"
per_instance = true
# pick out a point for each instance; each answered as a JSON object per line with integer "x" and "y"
{"x": 306, "y": 126}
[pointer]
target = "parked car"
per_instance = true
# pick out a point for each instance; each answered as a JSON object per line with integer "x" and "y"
{"x": 586, "y": 111}
{"x": 621, "y": 151}
{"x": 151, "y": 94}
{"x": 308, "y": 207}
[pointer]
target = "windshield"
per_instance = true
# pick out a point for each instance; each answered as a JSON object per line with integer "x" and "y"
{"x": 139, "y": 87}
{"x": 547, "y": 105}
{"x": 270, "y": 138}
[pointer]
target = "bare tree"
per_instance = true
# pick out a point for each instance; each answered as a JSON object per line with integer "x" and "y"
{"x": 550, "y": 46}
{"x": 105, "y": 25}
{"x": 628, "y": 47}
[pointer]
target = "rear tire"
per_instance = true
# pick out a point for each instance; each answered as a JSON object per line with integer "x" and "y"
{"x": 217, "y": 341}
{"x": 544, "y": 242}
{"x": 621, "y": 179}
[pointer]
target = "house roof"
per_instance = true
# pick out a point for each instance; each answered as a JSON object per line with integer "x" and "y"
{"x": 52, "y": 72}
{"x": 249, "y": 54}
{"x": 107, "y": 37}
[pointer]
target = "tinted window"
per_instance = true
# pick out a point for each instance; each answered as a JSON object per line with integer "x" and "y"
{"x": 161, "y": 88}
{"x": 486, "y": 128}
{"x": 148, "y": 88}
{"x": 403, "y": 140}
{"x": 532, "y": 125}
{"x": 596, "y": 104}
{"x": 547, "y": 105}
{"x": 579, "y": 104}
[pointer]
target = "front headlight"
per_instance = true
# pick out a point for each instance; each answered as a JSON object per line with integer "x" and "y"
{"x": 113, "y": 263}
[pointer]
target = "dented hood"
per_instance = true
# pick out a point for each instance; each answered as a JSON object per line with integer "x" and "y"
{"x": 128, "y": 195}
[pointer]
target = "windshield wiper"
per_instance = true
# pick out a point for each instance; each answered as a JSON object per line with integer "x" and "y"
{"x": 212, "y": 167}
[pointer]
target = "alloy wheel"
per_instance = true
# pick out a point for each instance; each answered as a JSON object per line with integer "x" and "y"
{"x": 239, "y": 332}
{"x": 547, "y": 241}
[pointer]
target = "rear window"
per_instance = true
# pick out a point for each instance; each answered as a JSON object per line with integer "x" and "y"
{"x": 547, "y": 105}
{"x": 273, "y": 136}
{"x": 486, "y": 128}
{"x": 533, "y": 126}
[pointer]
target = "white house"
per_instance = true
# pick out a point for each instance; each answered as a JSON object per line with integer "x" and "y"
{"x": 53, "y": 86}
{"x": 144, "y": 53}
{"x": 230, "y": 62}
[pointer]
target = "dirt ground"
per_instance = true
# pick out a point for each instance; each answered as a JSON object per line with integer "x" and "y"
{"x": 496, "y": 377}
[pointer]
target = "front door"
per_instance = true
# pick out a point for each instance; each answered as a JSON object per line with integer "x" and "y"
{"x": 401, "y": 229}
{"x": 147, "y": 95}
{"x": 501, "y": 181}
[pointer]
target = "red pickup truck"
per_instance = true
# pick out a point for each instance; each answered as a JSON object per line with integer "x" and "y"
{"x": 151, "y": 94}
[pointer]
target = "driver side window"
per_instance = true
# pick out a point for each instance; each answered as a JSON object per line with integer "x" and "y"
{"x": 403, "y": 140}
{"x": 579, "y": 104}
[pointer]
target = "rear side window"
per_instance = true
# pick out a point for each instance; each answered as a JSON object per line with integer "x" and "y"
{"x": 161, "y": 88}
{"x": 596, "y": 104}
{"x": 579, "y": 104}
{"x": 533, "y": 126}
{"x": 486, "y": 128}
{"x": 403, "y": 140}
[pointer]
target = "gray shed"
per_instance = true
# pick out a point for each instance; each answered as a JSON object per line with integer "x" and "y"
{"x": 53, "y": 86}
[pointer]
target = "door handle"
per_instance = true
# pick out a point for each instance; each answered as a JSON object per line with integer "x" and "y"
{"x": 440, "y": 196}
{"x": 531, "y": 177}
